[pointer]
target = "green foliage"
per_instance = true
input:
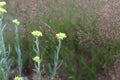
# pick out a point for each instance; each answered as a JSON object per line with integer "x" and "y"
{"x": 5, "y": 62}
{"x": 84, "y": 52}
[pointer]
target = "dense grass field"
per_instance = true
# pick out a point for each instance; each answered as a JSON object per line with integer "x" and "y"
{"x": 88, "y": 51}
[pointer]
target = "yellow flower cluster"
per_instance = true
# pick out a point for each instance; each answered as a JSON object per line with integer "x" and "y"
{"x": 2, "y": 10}
{"x": 18, "y": 78}
{"x": 2, "y": 4}
{"x": 36, "y": 59}
{"x": 16, "y": 22}
{"x": 61, "y": 36}
{"x": 36, "y": 33}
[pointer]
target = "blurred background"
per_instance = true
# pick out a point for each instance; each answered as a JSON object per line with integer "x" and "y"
{"x": 92, "y": 28}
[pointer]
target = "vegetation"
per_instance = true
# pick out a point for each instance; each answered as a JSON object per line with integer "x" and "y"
{"x": 83, "y": 55}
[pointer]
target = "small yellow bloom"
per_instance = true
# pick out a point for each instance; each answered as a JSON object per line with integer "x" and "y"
{"x": 16, "y": 22}
{"x": 36, "y": 59}
{"x": 36, "y": 33}
{"x": 18, "y": 78}
{"x": 2, "y": 4}
{"x": 61, "y": 36}
{"x": 2, "y": 10}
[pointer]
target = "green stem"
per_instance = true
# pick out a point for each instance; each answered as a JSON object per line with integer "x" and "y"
{"x": 37, "y": 46}
{"x": 56, "y": 59}
{"x": 39, "y": 71}
{"x": 37, "y": 50}
{"x": 18, "y": 50}
{"x": 2, "y": 45}
{"x": 4, "y": 67}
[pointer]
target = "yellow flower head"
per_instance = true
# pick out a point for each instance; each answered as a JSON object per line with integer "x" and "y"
{"x": 18, "y": 78}
{"x": 61, "y": 36}
{"x": 2, "y": 10}
{"x": 16, "y": 22}
{"x": 36, "y": 59}
{"x": 2, "y": 4}
{"x": 36, "y": 33}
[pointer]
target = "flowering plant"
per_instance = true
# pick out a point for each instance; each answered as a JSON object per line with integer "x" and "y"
{"x": 61, "y": 36}
{"x": 36, "y": 59}
{"x": 36, "y": 33}
{"x": 2, "y": 10}
{"x": 16, "y": 22}
{"x": 4, "y": 54}
{"x": 18, "y": 78}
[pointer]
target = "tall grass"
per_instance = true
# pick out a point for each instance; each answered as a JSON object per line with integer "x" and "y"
{"x": 86, "y": 53}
